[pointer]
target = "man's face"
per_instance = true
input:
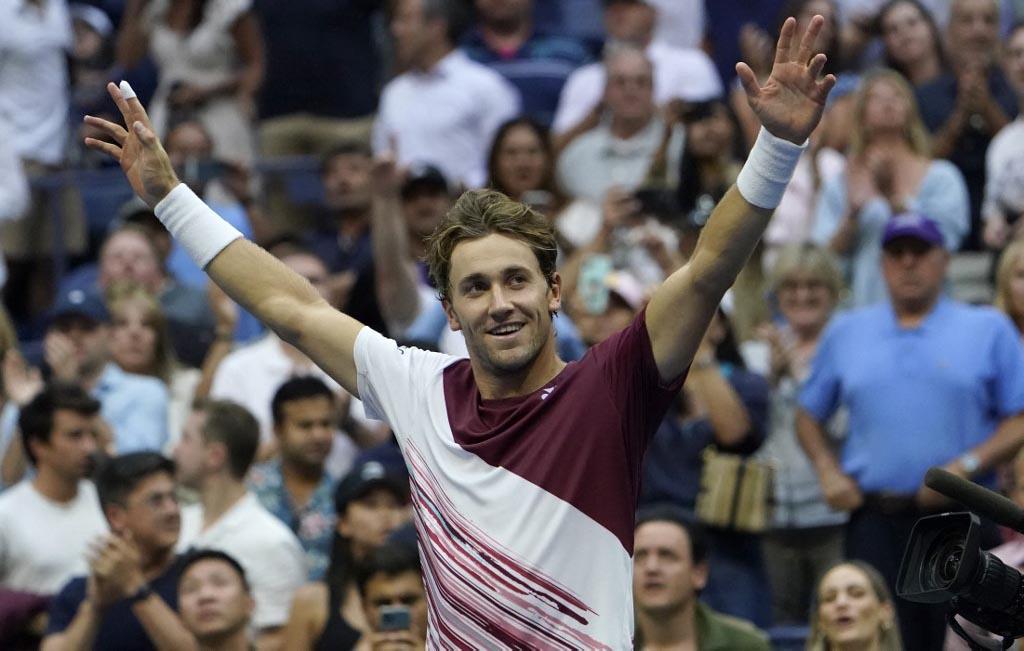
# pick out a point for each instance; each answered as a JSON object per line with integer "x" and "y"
{"x": 311, "y": 268}
{"x": 405, "y": 589}
{"x": 504, "y": 11}
{"x": 128, "y": 256}
{"x": 665, "y": 580}
{"x": 368, "y": 521}
{"x": 501, "y": 302}
{"x": 630, "y": 22}
{"x": 413, "y": 32}
{"x": 629, "y": 90}
{"x": 914, "y": 272}
{"x": 190, "y": 453}
{"x": 70, "y": 453}
{"x": 88, "y": 341}
{"x": 424, "y": 208}
{"x": 213, "y": 601}
{"x": 150, "y": 513}
{"x": 1014, "y": 61}
{"x": 306, "y": 432}
{"x": 346, "y": 179}
{"x": 974, "y": 29}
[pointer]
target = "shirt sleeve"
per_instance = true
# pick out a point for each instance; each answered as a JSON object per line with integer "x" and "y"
{"x": 283, "y": 573}
{"x": 579, "y": 95}
{"x": 64, "y": 606}
{"x": 820, "y": 393}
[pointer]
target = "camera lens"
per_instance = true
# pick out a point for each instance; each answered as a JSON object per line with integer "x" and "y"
{"x": 943, "y": 560}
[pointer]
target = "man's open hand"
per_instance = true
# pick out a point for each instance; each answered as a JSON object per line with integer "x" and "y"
{"x": 791, "y": 101}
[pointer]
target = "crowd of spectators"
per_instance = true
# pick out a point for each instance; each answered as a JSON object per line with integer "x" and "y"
{"x": 174, "y": 476}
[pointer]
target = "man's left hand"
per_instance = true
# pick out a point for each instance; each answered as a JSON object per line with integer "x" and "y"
{"x": 791, "y": 101}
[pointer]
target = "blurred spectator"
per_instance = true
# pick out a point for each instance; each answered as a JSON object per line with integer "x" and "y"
{"x": 724, "y": 23}
{"x": 34, "y": 45}
{"x": 91, "y": 63}
{"x": 298, "y": 486}
{"x": 48, "y": 521}
{"x": 685, "y": 74}
{"x": 129, "y": 598}
{"x": 919, "y": 394}
{"x": 77, "y": 350}
{"x": 710, "y": 161}
{"x": 391, "y": 583}
{"x": 210, "y": 57}
{"x": 670, "y": 568}
{"x": 889, "y": 170}
{"x": 522, "y": 165}
{"x": 1010, "y": 286}
{"x": 215, "y": 601}
{"x": 216, "y": 450}
{"x": 725, "y": 407}
{"x": 250, "y": 375}
{"x": 620, "y": 150}
{"x": 966, "y": 107}
{"x": 806, "y": 535}
{"x": 370, "y": 504}
{"x": 854, "y": 609}
{"x": 14, "y": 191}
{"x": 445, "y": 108}
{"x": 1004, "y": 163}
{"x": 912, "y": 41}
{"x": 535, "y": 62}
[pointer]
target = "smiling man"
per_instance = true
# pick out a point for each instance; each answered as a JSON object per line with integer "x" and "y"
{"x": 525, "y": 470}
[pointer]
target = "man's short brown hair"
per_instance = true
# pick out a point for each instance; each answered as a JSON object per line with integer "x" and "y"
{"x": 479, "y": 213}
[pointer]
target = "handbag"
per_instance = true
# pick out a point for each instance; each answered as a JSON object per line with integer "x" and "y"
{"x": 735, "y": 492}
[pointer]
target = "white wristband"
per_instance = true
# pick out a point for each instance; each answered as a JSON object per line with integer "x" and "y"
{"x": 199, "y": 230}
{"x": 770, "y": 165}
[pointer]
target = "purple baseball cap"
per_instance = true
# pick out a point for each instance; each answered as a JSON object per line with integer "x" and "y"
{"x": 913, "y": 225}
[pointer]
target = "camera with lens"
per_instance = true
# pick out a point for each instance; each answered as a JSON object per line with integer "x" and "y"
{"x": 944, "y": 562}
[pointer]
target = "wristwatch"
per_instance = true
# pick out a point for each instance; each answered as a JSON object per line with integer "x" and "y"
{"x": 144, "y": 592}
{"x": 970, "y": 463}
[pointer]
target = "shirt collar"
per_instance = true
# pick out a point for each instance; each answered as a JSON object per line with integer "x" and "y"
{"x": 111, "y": 376}
{"x": 942, "y": 305}
{"x": 635, "y": 145}
{"x": 447, "y": 66}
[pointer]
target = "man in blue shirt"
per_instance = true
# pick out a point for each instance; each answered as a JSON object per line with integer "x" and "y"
{"x": 537, "y": 64}
{"x": 928, "y": 382}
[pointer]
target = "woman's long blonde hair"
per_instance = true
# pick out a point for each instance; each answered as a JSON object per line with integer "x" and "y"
{"x": 914, "y": 132}
{"x": 1004, "y": 271}
{"x": 164, "y": 360}
{"x": 889, "y": 639}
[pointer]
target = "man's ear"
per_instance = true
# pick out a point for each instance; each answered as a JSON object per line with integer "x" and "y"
{"x": 555, "y": 293}
{"x": 699, "y": 576}
{"x": 215, "y": 455}
{"x": 453, "y": 319}
{"x": 117, "y": 517}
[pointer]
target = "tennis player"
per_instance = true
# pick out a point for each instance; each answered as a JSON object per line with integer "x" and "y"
{"x": 524, "y": 470}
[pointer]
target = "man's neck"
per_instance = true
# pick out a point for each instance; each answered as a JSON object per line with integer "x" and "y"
{"x": 156, "y": 562}
{"x": 218, "y": 494}
{"x": 625, "y": 129}
{"x": 351, "y": 222}
{"x": 54, "y": 487}
{"x": 496, "y": 387}
{"x": 237, "y": 641}
{"x": 676, "y": 630}
{"x": 913, "y": 314}
{"x": 300, "y": 482}
{"x": 505, "y": 36}
{"x": 432, "y": 57}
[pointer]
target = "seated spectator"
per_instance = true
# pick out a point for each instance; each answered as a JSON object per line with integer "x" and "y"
{"x": 48, "y": 521}
{"x": 445, "y": 108}
{"x": 298, "y": 486}
{"x": 216, "y": 450}
{"x": 130, "y": 597}
{"x": 853, "y": 609}
{"x": 966, "y": 107}
{"x": 677, "y": 73}
{"x": 535, "y": 62}
{"x": 621, "y": 150}
{"x": 806, "y": 535}
{"x": 911, "y": 41}
{"x": 1010, "y": 285}
{"x": 391, "y": 579}
{"x": 522, "y": 166}
{"x": 670, "y": 568}
{"x": 77, "y": 350}
{"x": 370, "y": 504}
{"x": 215, "y": 601}
{"x": 210, "y": 59}
{"x": 250, "y": 375}
{"x": 1004, "y": 163}
{"x": 888, "y": 171}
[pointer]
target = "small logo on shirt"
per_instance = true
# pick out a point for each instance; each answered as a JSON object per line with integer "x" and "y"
{"x": 546, "y": 392}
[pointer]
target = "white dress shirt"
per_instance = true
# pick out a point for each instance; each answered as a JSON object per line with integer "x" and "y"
{"x": 687, "y": 74}
{"x": 34, "y": 42}
{"x": 446, "y": 117}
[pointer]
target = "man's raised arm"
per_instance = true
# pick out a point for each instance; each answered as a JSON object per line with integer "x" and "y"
{"x": 789, "y": 106}
{"x": 279, "y": 297}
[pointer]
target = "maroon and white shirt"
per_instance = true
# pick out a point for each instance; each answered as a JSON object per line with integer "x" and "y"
{"x": 524, "y": 506}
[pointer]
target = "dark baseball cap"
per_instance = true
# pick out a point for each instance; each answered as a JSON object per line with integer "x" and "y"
{"x": 914, "y": 226}
{"x": 423, "y": 176}
{"x": 364, "y": 479}
{"x": 80, "y": 302}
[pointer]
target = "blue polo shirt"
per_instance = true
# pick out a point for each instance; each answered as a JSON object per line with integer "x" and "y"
{"x": 135, "y": 407}
{"x": 538, "y": 69}
{"x": 917, "y": 397}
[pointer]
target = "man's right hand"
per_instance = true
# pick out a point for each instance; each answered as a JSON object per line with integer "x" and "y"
{"x": 841, "y": 491}
{"x": 136, "y": 147}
